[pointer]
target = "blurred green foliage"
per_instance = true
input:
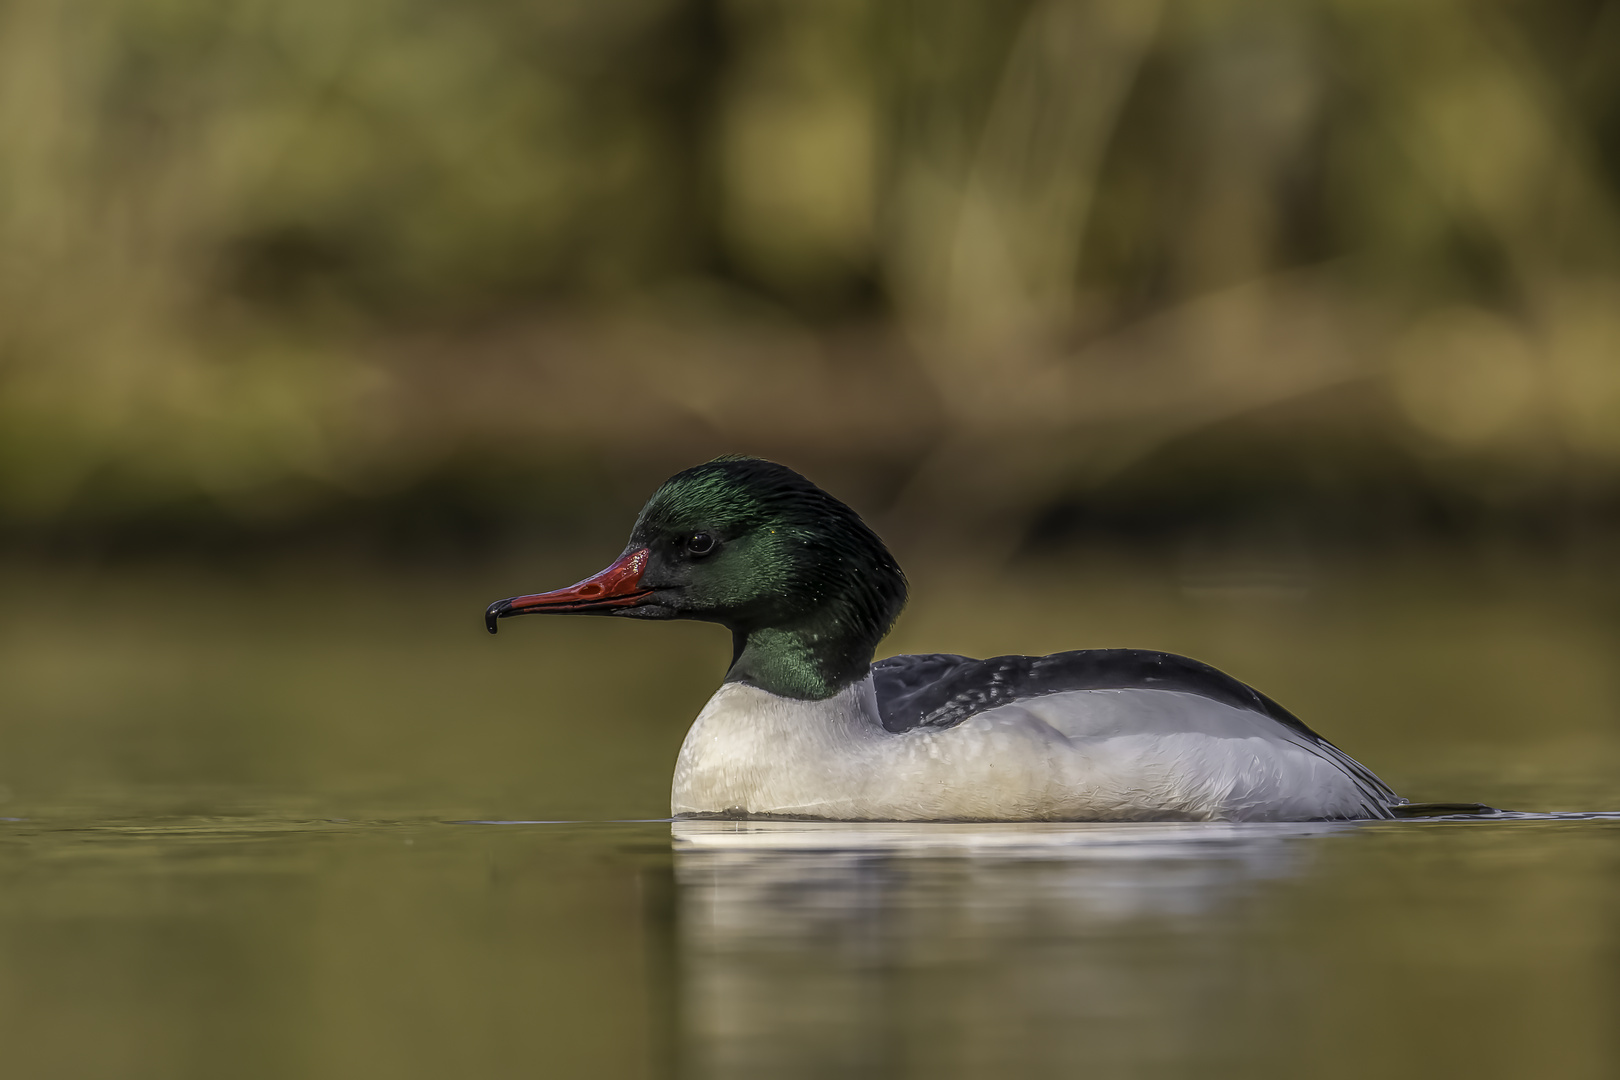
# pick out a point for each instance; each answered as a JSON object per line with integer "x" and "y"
{"x": 268, "y": 259}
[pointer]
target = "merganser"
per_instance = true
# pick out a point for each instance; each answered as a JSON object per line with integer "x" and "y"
{"x": 805, "y": 725}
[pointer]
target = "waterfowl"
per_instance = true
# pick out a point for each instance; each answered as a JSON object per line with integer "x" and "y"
{"x": 805, "y": 725}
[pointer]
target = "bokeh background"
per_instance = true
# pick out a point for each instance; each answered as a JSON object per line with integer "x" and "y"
{"x": 1002, "y": 273}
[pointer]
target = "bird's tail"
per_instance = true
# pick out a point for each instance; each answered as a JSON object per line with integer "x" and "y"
{"x": 1442, "y": 809}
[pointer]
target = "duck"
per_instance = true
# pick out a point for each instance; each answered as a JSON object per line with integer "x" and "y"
{"x": 805, "y": 725}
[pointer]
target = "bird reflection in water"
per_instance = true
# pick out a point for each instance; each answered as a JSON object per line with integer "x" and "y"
{"x": 828, "y": 949}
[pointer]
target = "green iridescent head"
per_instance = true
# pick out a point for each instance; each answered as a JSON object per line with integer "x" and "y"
{"x": 807, "y": 589}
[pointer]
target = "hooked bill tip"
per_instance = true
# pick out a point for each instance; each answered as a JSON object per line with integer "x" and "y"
{"x": 491, "y": 614}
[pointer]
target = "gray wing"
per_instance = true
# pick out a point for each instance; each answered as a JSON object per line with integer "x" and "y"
{"x": 940, "y": 690}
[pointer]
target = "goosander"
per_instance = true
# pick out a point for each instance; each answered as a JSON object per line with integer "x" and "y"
{"x": 805, "y": 725}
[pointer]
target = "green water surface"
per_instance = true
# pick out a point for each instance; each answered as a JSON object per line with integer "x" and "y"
{"x": 313, "y": 822}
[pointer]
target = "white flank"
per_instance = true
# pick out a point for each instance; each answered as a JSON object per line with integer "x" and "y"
{"x": 1084, "y": 755}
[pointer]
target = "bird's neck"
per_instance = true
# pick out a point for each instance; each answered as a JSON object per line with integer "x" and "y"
{"x": 810, "y": 660}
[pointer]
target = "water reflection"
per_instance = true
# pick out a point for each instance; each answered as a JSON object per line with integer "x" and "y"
{"x": 813, "y": 949}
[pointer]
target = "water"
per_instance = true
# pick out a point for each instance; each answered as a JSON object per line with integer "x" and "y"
{"x": 252, "y": 832}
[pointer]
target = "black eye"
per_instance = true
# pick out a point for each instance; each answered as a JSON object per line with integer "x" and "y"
{"x": 699, "y": 544}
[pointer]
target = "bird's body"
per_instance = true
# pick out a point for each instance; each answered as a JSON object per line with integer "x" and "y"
{"x": 805, "y": 725}
{"x": 1127, "y": 754}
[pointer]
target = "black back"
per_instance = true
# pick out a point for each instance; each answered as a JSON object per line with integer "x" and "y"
{"x": 942, "y": 689}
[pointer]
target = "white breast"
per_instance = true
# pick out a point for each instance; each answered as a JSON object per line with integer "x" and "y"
{"x": 1084, "y": 755}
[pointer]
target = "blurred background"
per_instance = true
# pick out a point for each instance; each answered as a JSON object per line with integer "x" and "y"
{"x": 429, "y": 277}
